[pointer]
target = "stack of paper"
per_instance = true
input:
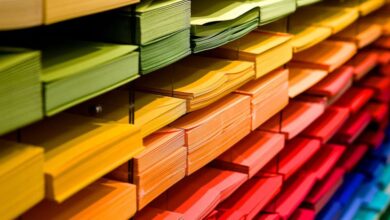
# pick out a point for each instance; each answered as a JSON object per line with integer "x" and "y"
{"x": 364, "y": 7}
{"x": 324, "y": 160}
{"x": 251, "y": 197}
{"x": 294, "y": 118}
{"x": 275, "y": 9}
{"x": 79, "y": 150}
{"x": 251, "y": 153}
{"x": 352, "y": 156}
{"x": 362, "y": 64}
{"x": 157, "y": 214}
{"x": 335, "y": 18}
{"x": 103, "y": 199}
{"x": 268, "y": 50}
{"x": 301, "y": 3}
{"x": 160, "y": 28}
{"x": 199, "y": 80}
{"x": 303, "y": 213}
{"x": 158, "y": 167}
{"x": 378, "y": 111}
{"x": 60, "y": 10}
{"x": 294, "y": 155}
{"x": 382, "y": 18}
{"x": 306, "y": 36}
{"x": 76, "y": 71}
{"x": 269, "y": 95}
{"x": 211, "y": 131}
{"x": 354, "y": 99}
{"x": 151, "y": 112}
{"x": 292, "y": 195}
{"x": 20, "y": 14}
{"x": 301, "y": 79}
{"x": 327, "y": 55}
{"x": 353, "y": 127}
{"x": 381, "y": 86}
{"x": 334, "y": 84}
{"x": 20, "y": 164}
{"x": 361, "y": 33}
{"x": 324, "y": 190}
{"x": 163, "y": 32}
{"x": 21, "y": 99}
{"x": 197, "y": 195}
{"x": 327, "y": 124}
{"x": 213, "y": 25}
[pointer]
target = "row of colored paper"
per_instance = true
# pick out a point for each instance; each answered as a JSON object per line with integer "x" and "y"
{"x": 79, "y": 150}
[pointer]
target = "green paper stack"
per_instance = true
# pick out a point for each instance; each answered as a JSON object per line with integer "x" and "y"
{"x": 272, "y": 10}
{"x": 215, "y": 34}
{"x": 213, "y": 25}
{"x": 20, "y": 88}
{"x": 301, "y": 3}
{"x": 161, "y": 28}
{"x": 74, "y": 71}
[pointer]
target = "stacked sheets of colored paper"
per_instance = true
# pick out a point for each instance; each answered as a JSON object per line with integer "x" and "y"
{"x": 79, "y": 150}
{"x": 294, "y": 118}
{"x": 301, "y": 79}
{"x": 197, "y": 195}
{"x": 335, "y": 18}
{"x": 361, "y": 33}
{"x": 220, "y": 23}
{"x": 103, "y": 199}
{"x": 151, "y": 112}
{"x": 199, "y": 80}
{"x": 20, "y": 14}
{"x": 364, "y": 7}
{"x": 269, "y": 95}
{"x": 251, "y": 153}
{"x": 60, "y": 10}
{"x": 160, "y": 28}
{"x": 307, "y": 35}
{"x": 327, "y": 55}
{"x": 21, "y": 102}
{"x": 268, "y": 50}
{"x": 20, "y": 164}
{"x": 158, "y": 167}
{"x": 76, "y": 71}
{"x": 211, "y": 131}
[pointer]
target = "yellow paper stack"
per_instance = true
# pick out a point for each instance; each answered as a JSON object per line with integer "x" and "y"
{"x": 268, "y": 50}
{"x": 199, "y": 80}
{"x": 151, "y": 112}
{"x": 79, "y": 150}
{"x": 20, "y": 164}
{"x": 20, "y": 14}
{"x": 60, "y": 10}
{"x": 322, "y": 16}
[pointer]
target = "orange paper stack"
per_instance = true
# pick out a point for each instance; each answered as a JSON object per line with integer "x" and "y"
{"x": 362, "y": 64}
{"x": 301, "y": 79}
{"x": 103, "y": 199}
{"x": 269, "y": 95}
{"x": 158, "y": 167}
{"x": 211, "y": 131}
{"x": 361, "y": 33}
{"x": 251, "y": 153}
{"x": 327, "y": 55}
